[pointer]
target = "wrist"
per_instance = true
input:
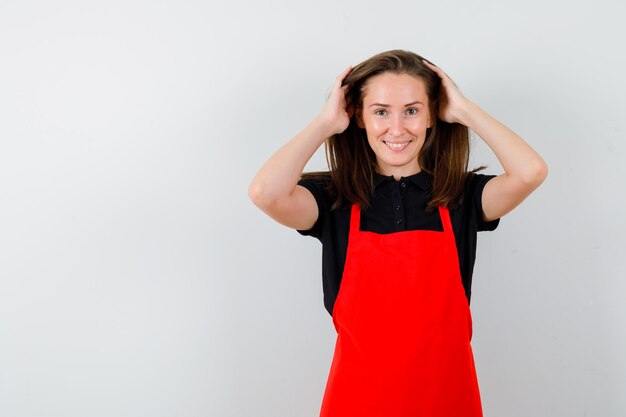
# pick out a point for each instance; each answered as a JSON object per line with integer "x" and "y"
{"x": 322, "y": 127}
{"x": 468, "y": 113}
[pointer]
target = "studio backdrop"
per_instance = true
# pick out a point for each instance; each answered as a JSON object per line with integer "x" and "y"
{"x": 138, "y": 279}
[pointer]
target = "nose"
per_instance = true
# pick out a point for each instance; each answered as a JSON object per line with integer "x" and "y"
{"x": 396, "y": 125}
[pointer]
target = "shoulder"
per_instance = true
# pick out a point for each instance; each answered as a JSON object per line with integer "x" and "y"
{"x": 318, "y": 178}
{"x": 319, "y": 184}
{"x": 476, "y": 182}
{"x": 471, "y": 205}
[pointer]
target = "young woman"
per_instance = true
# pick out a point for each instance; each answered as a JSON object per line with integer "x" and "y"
{"x": 397, "y": 214}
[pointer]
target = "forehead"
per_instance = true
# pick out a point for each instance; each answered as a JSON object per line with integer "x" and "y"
{"x": 390, "y": 88}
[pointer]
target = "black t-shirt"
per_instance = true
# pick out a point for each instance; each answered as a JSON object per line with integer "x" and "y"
{"x": 395, "y": 206}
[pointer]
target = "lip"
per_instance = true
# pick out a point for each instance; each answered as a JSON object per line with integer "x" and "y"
{"x": 397, "y": 145}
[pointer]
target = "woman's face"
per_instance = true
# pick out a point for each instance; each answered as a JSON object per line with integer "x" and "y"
{"x": 395, "y": 117}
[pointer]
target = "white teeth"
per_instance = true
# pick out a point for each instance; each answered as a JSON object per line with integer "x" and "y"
{"x": 397, "y": 146}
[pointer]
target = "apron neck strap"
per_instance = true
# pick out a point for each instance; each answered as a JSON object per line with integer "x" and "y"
{"x": 444, "y": 213}
{"x": 355, "y": 219}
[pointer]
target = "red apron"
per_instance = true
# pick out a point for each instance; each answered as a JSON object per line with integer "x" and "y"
{"x": 403, "y": 328}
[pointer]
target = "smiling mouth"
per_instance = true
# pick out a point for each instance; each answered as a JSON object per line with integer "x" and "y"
{"x": 397, "y": 146}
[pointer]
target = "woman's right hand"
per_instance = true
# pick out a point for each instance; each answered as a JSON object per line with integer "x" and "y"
{"x": 275, "y": 189}
{"x": 336, "y": 114}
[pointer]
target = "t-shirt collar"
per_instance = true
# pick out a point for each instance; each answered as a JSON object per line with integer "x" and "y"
{"x": 421, "y": 179}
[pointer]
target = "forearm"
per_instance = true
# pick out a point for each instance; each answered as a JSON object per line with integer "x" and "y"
{"x": 279, "y": 176}
{"x": 517, "y": 158}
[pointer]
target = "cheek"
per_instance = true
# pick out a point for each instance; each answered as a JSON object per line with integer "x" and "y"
{"x": 419, "y": 124}
{"x": 375, "y": 125}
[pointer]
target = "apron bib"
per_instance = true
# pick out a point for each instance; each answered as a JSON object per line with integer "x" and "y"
{"x": 404, "y": 328}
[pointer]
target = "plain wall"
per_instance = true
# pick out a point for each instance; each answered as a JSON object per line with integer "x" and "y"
{"x": 137, "y": 278}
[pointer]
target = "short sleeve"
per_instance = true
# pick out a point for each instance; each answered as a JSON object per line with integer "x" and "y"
{"x": 317, "y": 188}
{"x": 477, "y": 184}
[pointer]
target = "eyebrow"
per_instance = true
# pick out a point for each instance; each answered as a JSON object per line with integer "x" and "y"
{"x": 387, "y": 105}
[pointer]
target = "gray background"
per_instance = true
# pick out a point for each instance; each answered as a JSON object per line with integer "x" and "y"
{"x": 137, "y": 279}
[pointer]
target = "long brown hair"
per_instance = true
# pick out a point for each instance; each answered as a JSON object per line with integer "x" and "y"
{"x": 352, "y": 162}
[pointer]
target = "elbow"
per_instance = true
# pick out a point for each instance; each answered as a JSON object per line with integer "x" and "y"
{"x": 543, "y": 171}
{"x": 255, "y": 193}
{"x": 259, "y": 196}
{"x": 536, "y": 174}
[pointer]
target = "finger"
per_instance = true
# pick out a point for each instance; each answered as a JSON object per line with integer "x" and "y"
{"x": 345, "y": 72}
{"x": 343, "y": 75}
{"x": 439, "y": 71}
{"x": 433, "y": 67}
{"x": 343, "y": 88}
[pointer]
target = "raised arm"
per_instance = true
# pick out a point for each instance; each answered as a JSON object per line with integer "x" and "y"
{"x": 275, "y": 188}
{"x": 524, "y": 169}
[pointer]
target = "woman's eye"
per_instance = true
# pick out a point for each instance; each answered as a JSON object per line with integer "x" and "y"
{"x": 412, "y": 112}
{"x": 380, "y": 112}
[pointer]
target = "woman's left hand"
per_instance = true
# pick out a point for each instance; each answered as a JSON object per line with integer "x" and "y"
{"x": 524, "y": 169}
{"x": 452, "y": 102}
